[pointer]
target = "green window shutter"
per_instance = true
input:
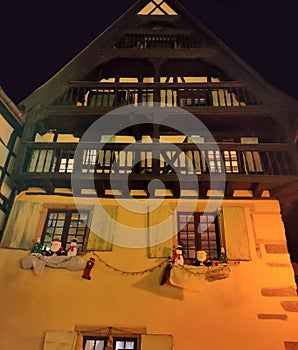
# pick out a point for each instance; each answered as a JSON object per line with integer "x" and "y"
{"x": 156, "y": 341}
{"x": 157, "y": 233}
{"x": 235, "y": 233}
{"x": 60, "y": 340}
{"x": 21, "y": 226}
{"x": 103, "y": 226}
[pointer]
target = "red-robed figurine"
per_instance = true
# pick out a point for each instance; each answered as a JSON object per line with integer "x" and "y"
{"x": 87, "y": 269}
{"x": 177, "y": 260}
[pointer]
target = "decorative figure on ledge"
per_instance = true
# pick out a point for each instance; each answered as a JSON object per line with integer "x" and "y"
{"x": 56, "y": 248}
{"x": 37, "y": 248}
{"x": 176, "y": 260}
{"x": 202, "y": 258}
{"x": 88, "y": 268}
{"x": 109, "y": 345}
{"x": 223, "y": 257}
{"x": 72, "y": 250}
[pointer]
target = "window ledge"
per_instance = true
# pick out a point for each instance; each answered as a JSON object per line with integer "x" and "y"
{"x": 193, "y": 277}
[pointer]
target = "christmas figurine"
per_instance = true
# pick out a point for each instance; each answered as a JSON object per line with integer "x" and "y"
{"x": 223, "y": 257}
{"x": 176, "y": 260}
{"x": 72, "y": 250}
{"x": 37, "y": 248}
{"x": 88, "y": 268}
{"x": 56, "y": 248}
{"x": 202, "y": 258}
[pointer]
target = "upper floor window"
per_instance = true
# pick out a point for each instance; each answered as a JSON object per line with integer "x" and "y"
{"x": 65, "y": 225}
{"x": 198, "y": 231}
{"x": 119, "y": 343}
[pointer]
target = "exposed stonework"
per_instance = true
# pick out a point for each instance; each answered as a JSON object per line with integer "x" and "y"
{"x": 291, "y": 306}
{"x": 279, "y": 292}
{"x": 291, "y": 345}
{"x": 272, "y": 317}
{"x": 276, "y": 248}
{"x": 279, "y": 265}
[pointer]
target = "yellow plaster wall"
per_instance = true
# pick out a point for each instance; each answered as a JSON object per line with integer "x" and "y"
{"x": 222, "y": 314}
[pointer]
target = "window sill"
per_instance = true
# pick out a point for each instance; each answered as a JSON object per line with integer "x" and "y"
{"x": 194, "y": 277}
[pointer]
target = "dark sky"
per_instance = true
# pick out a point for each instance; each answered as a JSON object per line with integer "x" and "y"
{"x": 39, "y": 38}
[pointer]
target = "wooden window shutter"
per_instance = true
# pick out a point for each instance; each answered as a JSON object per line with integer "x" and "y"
{"x": 100, "y": 224}
{"x": 235, "y": 233}
{"x": 157, "y": 233}
{"x": 21, "y": 225}
{"x": 252, "y": 159}
{"x": 60, "y": 340}
{"x": 156, "y": 341}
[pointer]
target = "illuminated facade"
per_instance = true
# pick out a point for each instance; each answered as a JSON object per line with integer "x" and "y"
{"x": 156, "y": 135}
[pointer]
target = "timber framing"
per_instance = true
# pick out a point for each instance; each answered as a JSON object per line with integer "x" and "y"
{"x": 234, "y": 102}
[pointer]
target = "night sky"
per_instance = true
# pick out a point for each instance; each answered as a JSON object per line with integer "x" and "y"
{"x": 39, "y": 38}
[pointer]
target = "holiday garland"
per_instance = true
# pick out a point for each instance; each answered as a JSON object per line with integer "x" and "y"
{"x": 201, "y": 270}
{"x": 132, "y": 273}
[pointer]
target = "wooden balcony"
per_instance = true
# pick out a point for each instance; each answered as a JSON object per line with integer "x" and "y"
{"x": 223, "y": 94}
{"x": 216, "y": 104}
{"x": 246, "y": 167}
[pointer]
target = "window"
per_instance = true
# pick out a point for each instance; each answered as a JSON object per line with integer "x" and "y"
{"x": 214, "y": 160}
{"x": 66, "y": 161}
{"x": 119, "y": 343}
{"x": 65, "y": 225}
{"x": 198, "y": 231}
{"x": 231, "y": 161}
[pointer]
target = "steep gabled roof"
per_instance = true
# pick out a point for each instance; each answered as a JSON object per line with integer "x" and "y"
{"x": 97, "y": 52}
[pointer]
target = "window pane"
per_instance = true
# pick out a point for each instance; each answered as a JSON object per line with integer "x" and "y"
{"x": 129, "y": 345}
{"x": 125, "y": 344}
{"x": 119, "y": 345}
{"x": 100, "y": 345}
{"x": 94, "y": 345}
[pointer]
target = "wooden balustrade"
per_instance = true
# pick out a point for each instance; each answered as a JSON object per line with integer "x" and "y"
{"x": 224, "y": 94}
{"x": 157, "y": 41}
{"x": 157, "y": 158}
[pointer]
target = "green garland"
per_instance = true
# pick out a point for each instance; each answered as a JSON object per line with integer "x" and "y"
{"x": 132, "y": 273}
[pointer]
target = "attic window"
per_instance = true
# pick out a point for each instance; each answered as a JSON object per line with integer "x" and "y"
{"x": 157, "y": 7}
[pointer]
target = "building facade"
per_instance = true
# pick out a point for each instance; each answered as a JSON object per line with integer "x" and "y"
{"x": 11, "y": 125}
{"x": 155, "y": 137}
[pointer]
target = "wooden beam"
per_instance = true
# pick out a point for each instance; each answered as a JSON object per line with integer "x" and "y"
{"x": 176, "y": 189}
{"x": 258, "y": 188}
{"x": 100, "y": 188}
{"x": 229, "y": 190}
{"x": 108, "y": 54}
{"x": 48, "y": 185}
{"x": 204, "y": 186}
{"x": 285, "y": 190}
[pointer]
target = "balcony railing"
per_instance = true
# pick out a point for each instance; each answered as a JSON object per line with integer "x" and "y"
{"x": 158, "y": 41}
{"x": 224, "y": 94}
{"x": 157, "y": 159}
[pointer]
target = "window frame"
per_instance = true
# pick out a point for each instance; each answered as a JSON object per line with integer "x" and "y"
{"x": 197, "y": 239}
{"x": 65, "y": 235}
{"x": 117, "y": 337}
